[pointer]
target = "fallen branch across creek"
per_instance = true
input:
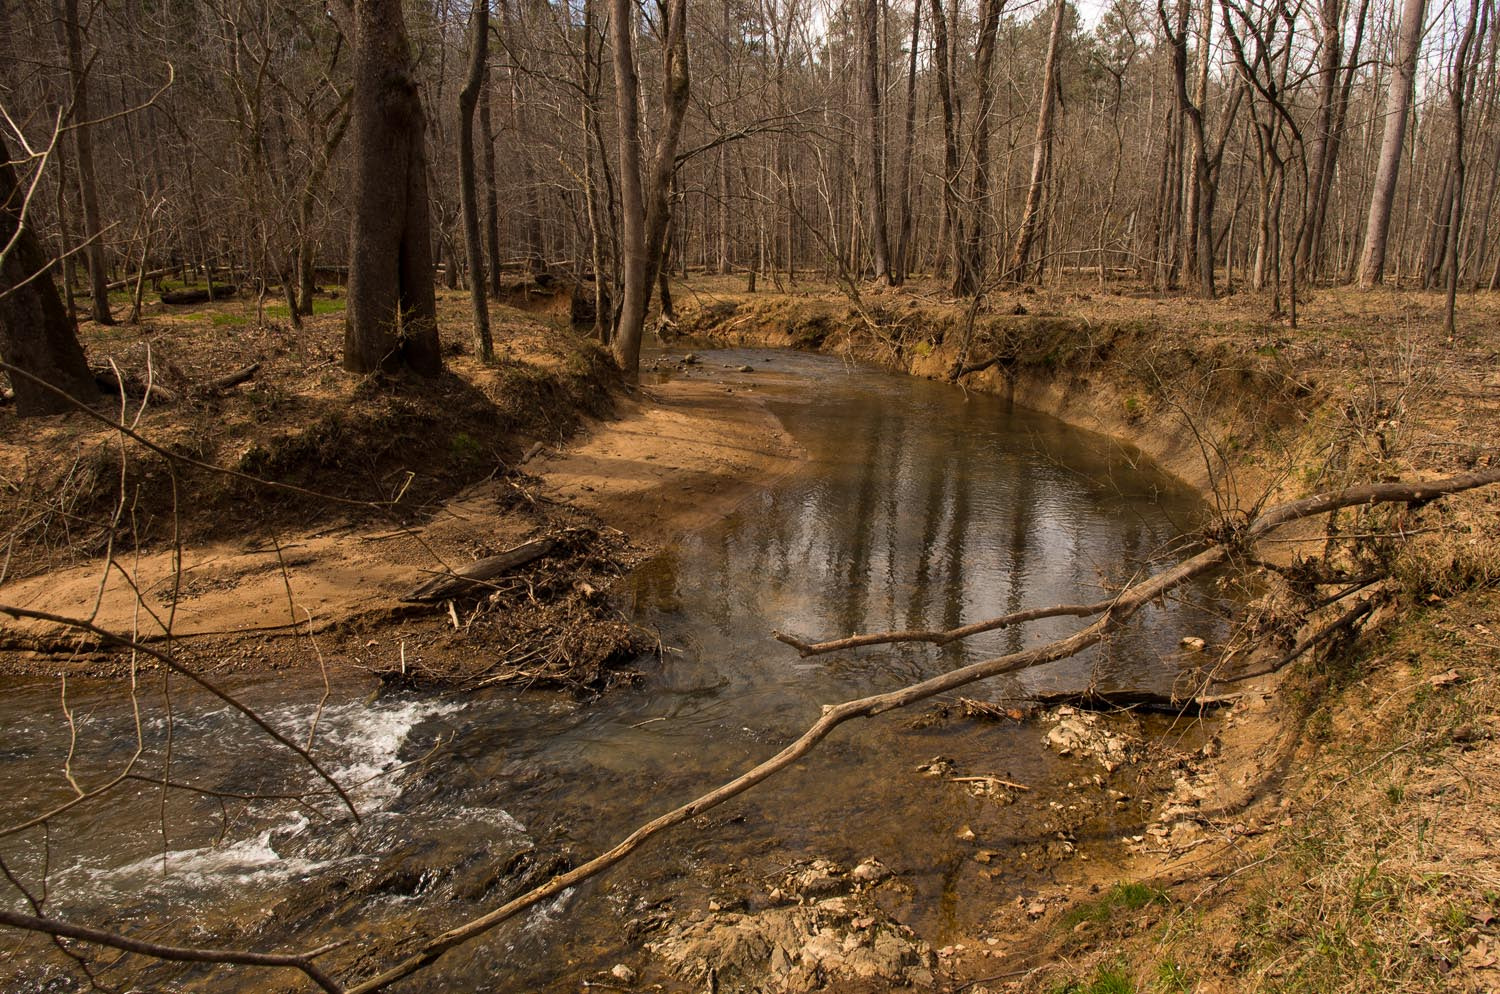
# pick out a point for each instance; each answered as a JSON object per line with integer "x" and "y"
{"x": 179, "y": 954}
{"x": 1236, "y": 540}
{"x": 1130, "y": 600}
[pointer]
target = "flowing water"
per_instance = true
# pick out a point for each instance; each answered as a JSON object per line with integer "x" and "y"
{"x": 919, "y": 507}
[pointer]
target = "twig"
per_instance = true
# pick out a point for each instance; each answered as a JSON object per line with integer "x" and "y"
{"x": 989, "y": 779}
{"x": 181, "y": 954}
{"x": 1130, "y": 600}
{"x": 172, "y": 664}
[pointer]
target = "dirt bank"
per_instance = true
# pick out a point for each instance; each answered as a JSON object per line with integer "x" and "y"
{"x": 1325, "y": 835}
{"x": 373, "y": 492}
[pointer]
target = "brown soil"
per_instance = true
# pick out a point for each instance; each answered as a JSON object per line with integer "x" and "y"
{"x": 394, "y": 483}
{"x": 1329, "y": 834}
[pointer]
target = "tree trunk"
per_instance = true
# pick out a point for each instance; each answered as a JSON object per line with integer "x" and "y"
{"x": 644, "y": 205}
{"x": 1458, "y": 87}
{"x": 35, "y": 334}
{"x": 1202, "y": 193}
{"x": 964, "y": 282}
{"x": 1330, "y": 58}
{"x": 903, "y": 238}
{"x": 875, "y": 140}
{"x": 468, "y": 98}
{"x": 391, "y": 320}
{"x": 1020, "y": 255}
{"x": 976, "y": 235}
{"x": 536, "y": 257}
{"x": 491, "y": 192}
{"x": 88, "y": 184}
{"x": 1397, "y": 108}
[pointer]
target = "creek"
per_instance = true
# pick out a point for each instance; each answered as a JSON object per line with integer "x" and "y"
{"x": 919, "y": 506}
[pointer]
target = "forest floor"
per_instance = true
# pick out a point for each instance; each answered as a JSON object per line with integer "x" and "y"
{"x": 1340, "y": 828}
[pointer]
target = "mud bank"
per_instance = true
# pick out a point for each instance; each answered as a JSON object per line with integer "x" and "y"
{"x": 1260, "y": 847}
{"x": 335, "y": 497}
{"x": 1208, "y": 409}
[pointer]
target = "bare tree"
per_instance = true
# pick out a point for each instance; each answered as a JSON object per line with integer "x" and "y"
{"x": 1020, "y": 255}
{"x": 1397, "y": 108}
{"x": 902, "y": 263}
{"x": 1460, "y": 89}
{"x": 88, "y": 183}
{"x": 645, "y": 186}
{"x": 976, "y": 234}
{"x": 874, "y": 144}
{"x": 392, "y": 314}
{"x": 468, "y": 98}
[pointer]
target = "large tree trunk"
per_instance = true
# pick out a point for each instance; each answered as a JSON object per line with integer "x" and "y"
{"x": 35, "y": 334}
{"x": 88, "y": 184}
{"x": 391, "y": 320}
{"x": 875, "y": 140}
{"x": 1020, "y": 255}
{"x": 468, "y": 99}
{"x": 644, "y": 205}
{"x": 1397, "y": 108}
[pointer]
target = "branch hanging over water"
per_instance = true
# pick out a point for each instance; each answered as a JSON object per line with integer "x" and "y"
{"x": 179, "y": 954}
{"x": 1115, "y": 614}
{"x": 1380, "y": 493}
{"x": 946, "y": 636}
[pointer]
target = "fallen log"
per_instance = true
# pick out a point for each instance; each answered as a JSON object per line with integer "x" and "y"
{"x": 117, "y": 383}
{"x": 230, "y": 380}
{"x": 154, "y": 274}
{"x": 480, "y": 574}
{"x": 197, "y": 295}
{"x": 1131, "y": 700}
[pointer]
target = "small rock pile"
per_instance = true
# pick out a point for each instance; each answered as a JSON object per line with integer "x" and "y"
{"x": 819, "y": 930}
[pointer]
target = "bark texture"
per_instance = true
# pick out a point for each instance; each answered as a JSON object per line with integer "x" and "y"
{"x": 1020, "y": 257}
{"x": 1397, "y": 108}
{"x": 36, "y": 335}
{"x": 88, "y": 184}
{"x": 391, "y": 321}
{"x": 875, "y": 140}
{"x": 468, "y": 98}
{"x": 644, "y": 199}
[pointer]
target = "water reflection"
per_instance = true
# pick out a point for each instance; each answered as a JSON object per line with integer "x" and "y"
{"x": 923, "y": 508}
{"x": 919, "y": 507}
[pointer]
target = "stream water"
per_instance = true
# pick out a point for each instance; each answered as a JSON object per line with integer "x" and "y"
{"x": 919, "y": 507}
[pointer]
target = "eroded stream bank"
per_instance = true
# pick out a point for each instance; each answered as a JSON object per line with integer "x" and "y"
{"x": 918, "y": 506}
{"x": 1359, "y": 768}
